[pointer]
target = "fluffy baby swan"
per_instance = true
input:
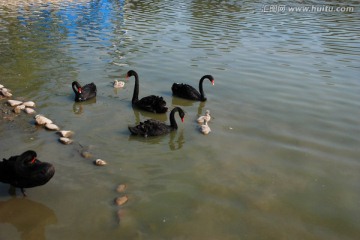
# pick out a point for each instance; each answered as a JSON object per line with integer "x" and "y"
{"x": 206, "y": 117}
{"x": 119, "y": 84}
{"x": 205, "y": 129}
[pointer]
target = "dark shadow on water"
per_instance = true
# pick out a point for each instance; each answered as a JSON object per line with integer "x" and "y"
{"x": 176, "y": 101}
{"x": 141, "y": 116}
{"x": 78, "y": 107}
{"x": 28, "y": 217}
{"x": 176, "y": 140}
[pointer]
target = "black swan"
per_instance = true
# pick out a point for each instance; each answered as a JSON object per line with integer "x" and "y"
{"x": 186, "y": 91}
{"x": 150, "y": 103}
{"x": 83, "y": 93}
{"x": 154, "y": 127}
{"x": 25, "y": 171}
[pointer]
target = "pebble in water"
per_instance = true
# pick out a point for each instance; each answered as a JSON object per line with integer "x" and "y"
{"x": 29, "y": 104}
{"x": 121, "y": 188}
{"x": 121, "y": 200}
{"x": 52, "y": 127}
{"x": 29, "y": 110}
{"x": 41, "y": 120}
{"x": 100, "y": 162}
{"x": 14, "y": 103}
{"x": 66, "y": 133}
{"x": 5, "y": 92}
{"x": 19, "y": 108}
{"x": 86, "y": 154}
{"x": 65, "y": 140}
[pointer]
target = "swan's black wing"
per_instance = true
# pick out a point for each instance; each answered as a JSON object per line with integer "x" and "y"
{"x": 88, "y": 91}
{"x": 25, "y": 176}
{"x": 185, "y": 91}
{"x": 153, "y": 104}
{"x": 7, "y": 169}
{"x": 149, "y": 128}
{"x": 34, "y": 175}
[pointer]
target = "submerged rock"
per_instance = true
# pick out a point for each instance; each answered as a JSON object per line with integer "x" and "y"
{"x": 86, "y": 154}
{"x": 65, "y": 140}
{"x": 121, "y": 188}
{"x": 121, "y": 200}
{"x": 66, "y": 133}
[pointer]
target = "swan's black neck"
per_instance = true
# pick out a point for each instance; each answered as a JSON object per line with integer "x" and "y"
{"x": 135, "y": 97}
{"x": 76, "y": 86}
{"x": 173, "y": 123}
{"x": 202, "y": 94}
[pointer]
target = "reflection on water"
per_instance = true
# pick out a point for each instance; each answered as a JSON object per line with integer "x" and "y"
{"x": 28, "y": 217}
{"x": 78, "y": 107}
{"x": 282, "y": 158}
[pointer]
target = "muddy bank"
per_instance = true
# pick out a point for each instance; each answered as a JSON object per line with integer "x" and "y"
{"x": 6, "y": 111}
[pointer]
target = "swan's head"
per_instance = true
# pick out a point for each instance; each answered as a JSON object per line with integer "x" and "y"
{"x": 212, "y": 80}
{"x": 130, "y": 73}
{"x": 207, "y": 112}
{"x": 182, "y": 114}
{"x": 29, "y": 157}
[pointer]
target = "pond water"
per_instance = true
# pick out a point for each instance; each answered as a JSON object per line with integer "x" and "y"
{"x": 282, "y": 160}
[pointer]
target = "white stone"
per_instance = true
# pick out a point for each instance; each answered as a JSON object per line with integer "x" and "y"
{"x": 29, "y": 110}
{"x": 52, "y": 127}
{"x": 65, "y": 140}
{"x": 18, "y": 108}
{"x": 41, "y": 120}
{"x": 14, "y": 103}
{"x": 100, "y": 162}
{"x": 66, "y": 133}
{"x": 29, "y": 104}
{"x": 6, "y": 92}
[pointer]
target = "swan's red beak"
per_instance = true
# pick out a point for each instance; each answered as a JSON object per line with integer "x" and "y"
{"x": 80, "y": 90}
{"x": 33, "y": 160}
{"x": 213, "y": 82}
{"x": 182, "y": 119}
